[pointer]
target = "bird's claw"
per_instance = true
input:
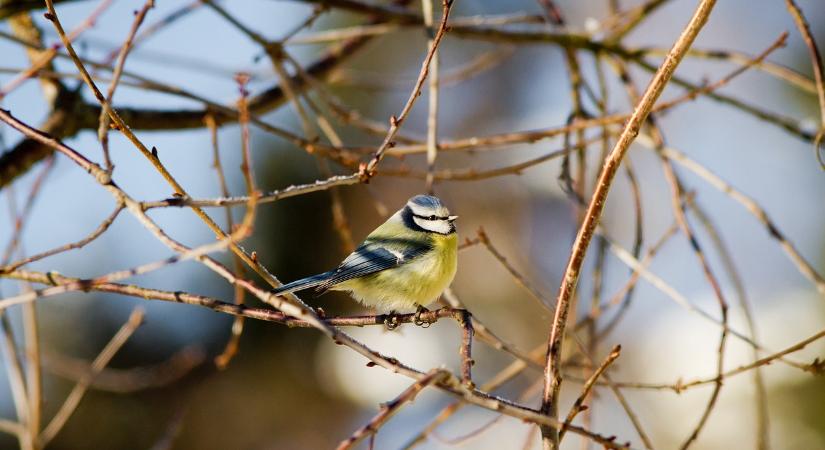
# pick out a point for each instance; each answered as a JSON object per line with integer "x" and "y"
{"x": 423, "y": 323}
{"x": 391, "y": 321}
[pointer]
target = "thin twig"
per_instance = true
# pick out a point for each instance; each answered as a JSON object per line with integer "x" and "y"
{"x": 578, "y": 405}
{"x": 105, "y": 121}
{"x": 819, "y": 71}
{"x": 760, "y": 391}
{"x": 391, "y": 408}
{"x": 21, "y": 216}
{"x": 396, "y": 121}
{"x": 107, "y": 222}
{"x": 17, "y": 383}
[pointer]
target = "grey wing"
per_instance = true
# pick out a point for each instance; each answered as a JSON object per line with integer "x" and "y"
{"x": 370, "y": 258}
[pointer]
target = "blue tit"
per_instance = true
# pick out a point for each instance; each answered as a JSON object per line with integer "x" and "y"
{"x": 405, "y": 263}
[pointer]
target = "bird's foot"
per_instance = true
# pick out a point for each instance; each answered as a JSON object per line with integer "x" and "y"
{"x": 391, "y": 321}
{"x": 418, "y": 320}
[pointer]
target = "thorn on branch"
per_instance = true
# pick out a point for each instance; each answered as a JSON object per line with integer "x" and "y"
{"x": 363, "y": 173}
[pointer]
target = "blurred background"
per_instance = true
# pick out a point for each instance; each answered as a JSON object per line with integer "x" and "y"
{"x": 293, "y": 388}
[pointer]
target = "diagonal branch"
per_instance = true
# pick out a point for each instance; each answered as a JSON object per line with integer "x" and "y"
{"x": 552, "y": 373}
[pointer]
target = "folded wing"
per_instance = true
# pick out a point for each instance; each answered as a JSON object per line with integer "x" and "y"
{"x": 375, "y": 256}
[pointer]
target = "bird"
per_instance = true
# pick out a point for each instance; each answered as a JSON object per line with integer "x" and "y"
{"x": 407, "y": 262}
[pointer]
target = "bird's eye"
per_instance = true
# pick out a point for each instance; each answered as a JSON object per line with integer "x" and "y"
{"x": 431, "y": 218}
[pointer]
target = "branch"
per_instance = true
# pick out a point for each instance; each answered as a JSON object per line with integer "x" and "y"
{"x": 819, "y": 77}
{"x": 570, "y": 279}
{"x": 84, "y": 116}
{"x": 390, "y": 408}
{"x": 396, "y": 121}
{"x": 578, "y": 405}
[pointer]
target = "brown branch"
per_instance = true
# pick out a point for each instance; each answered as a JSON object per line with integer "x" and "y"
{"x": 679, "y": 209}
{"x": 483, "y": 333}
{"x": 532, "y": 136}
{"x": 67, "y": 120}
{"x": 465, "y": 320}
{"x": 300, "y": 318}
{"x": 819, "y": 77}
{"x": 452, "y": 385}
{"x": 222, "y": 360}
{"x": 816, "y": 58}
{"x": 816, "y": 368}
{"x": 503, "y": 376}
{"x": 267, "y": 197}
{"x": 391, "y": 408}
{"x": 231, "y": 347}
{"x": 760, "y": 391}
{"x": 570, "y": 279}
{"x": 578, "y": 405}
{"x": 70, "y": 246}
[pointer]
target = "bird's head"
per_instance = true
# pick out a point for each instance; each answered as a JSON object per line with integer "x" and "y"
{"x": 429, "y": 213}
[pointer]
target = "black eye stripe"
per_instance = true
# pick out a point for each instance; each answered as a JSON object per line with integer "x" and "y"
{"x": 430, "y": 217}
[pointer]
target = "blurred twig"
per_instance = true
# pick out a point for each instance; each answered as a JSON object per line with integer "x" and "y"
{"x": 129, "y": 380}
{"x": 816, "y": 62}
{"x": 73, "y": 399}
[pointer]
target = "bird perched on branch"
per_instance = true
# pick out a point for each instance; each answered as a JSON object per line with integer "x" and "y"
{"x": 405, "y": 263}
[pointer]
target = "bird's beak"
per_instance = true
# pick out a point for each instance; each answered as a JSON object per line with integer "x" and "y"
{"x": 452, "y": 218}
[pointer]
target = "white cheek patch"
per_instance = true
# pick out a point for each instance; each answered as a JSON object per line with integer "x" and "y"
{"x": 436, "y": 226}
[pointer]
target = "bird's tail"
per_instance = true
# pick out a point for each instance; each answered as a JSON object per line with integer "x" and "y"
{"x": 304, "y": 283}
